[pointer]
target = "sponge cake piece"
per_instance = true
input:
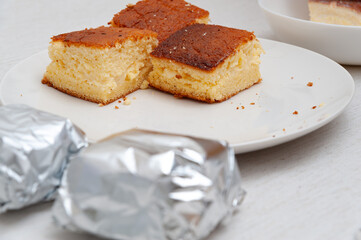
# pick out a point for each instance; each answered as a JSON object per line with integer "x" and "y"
{"x": 162, "y": 16}
{"x": 208, "y": 63}
{"x": 100, "y": 65}
{"x": 345, "y": 12}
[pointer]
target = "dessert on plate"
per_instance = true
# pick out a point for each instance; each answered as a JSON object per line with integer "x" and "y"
{"x": 100, "y": 65}
{"x": 342, "y": 12}
{"x": 161, "y": 16}
{"x": 208, "y": 63}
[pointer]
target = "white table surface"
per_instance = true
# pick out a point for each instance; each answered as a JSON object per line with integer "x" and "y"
{"x": 309, "y": 188}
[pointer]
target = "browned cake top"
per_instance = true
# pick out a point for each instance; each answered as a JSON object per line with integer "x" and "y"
{"x": 102, "y": 37}
{"x": 202, "y": 46}
{"x": 354, "y": 4}
{"x": 161, "y": 16}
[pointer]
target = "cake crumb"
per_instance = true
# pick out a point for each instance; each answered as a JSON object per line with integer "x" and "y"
{"x": 284, "y": 129}
{"x": 119, "y": 101}
{"x": 134, "y": 98}
{"x": 21, "y": 95}
{"x": 295, "y": 113}
{"x": 292, "y": 77}
{"x": 101, "y": 105}
{"x": 242, "y": 107}
{"x": 310, "y": 84}
{"x": 252, "y": 103}
{"x": 127, "y": 101}
{"x": 237, "y": 108}
{"x": 314, "y": 107}
{"x": 116, "y": 107}
{"x": 144, "y": 85}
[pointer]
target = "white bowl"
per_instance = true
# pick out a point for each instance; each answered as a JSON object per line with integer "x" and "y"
{"x": 289, "y": 20}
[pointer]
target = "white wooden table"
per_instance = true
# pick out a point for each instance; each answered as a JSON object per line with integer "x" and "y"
{"x": 309, "y": 188}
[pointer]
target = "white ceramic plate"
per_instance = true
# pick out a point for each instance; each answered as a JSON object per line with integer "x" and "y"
{"x": 289, "y": 20}
{"x": 286, "y": 71}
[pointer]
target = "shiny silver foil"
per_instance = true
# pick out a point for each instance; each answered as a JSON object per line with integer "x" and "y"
{"x": 34, "y": 149}
{"x": 144, "y": 185}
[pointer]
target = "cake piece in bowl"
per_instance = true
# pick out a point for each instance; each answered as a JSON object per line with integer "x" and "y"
{"x": 341, "y": 12}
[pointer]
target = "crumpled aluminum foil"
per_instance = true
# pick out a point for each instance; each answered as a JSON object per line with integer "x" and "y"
{"x": 34, "y": 149}
{"x": 143, "y": 185}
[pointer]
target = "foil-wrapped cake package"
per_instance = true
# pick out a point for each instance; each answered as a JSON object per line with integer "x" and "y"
{"x": 34, "y": 149}
{"x": 143, "y": 185}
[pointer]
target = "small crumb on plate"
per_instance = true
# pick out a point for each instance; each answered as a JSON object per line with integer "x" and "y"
{"x": 127, "y": 101}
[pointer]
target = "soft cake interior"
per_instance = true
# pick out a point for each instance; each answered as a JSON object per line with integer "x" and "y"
{"x": 100, "y": 75}
{"x": 333, "y": 14}
{"x": 236, "y": 73}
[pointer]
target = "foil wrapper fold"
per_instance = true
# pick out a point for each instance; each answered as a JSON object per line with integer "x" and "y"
{"x": 143, "y": 185}
{"x": 34, "y": 150}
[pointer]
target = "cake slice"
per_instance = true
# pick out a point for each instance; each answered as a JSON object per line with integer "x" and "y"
{"x": 345, "y": 12}
{"x": 100, "y": 65}
{"x": 208, "y": 63}
{"x": 161, "y": 16}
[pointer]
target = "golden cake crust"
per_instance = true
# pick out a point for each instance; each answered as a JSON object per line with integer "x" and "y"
{"x": 202, "y": 46}
{"x": 161, "y": 16}
{"x": 102, "y": 37}
{"x": 352, "y": 4}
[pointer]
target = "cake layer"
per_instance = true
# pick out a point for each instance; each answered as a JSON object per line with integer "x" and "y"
{"x": 211, "y": 74}
{"x": 162, "y": 16}
{"x": 202, "y": 46}
{"x": 97, "y": 73}
{"x": 335, "y": 12}
{"x": 352, "y": 4}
